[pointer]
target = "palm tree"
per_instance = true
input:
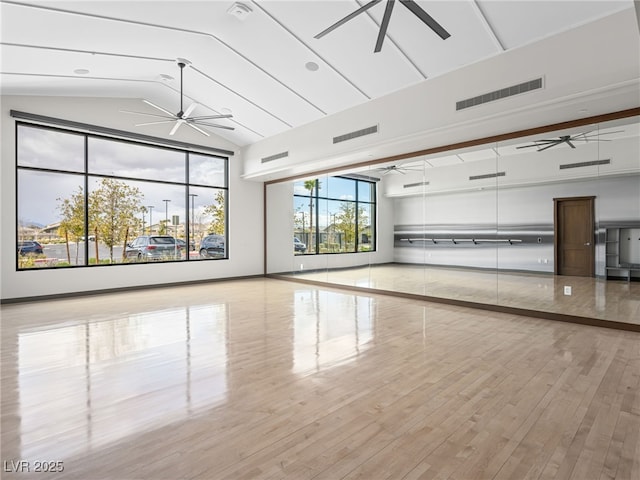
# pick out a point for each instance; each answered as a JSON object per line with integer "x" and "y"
{"x": 310, "y": 185}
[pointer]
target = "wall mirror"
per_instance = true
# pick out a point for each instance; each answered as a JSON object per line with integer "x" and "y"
{"x": 548, "y": 223}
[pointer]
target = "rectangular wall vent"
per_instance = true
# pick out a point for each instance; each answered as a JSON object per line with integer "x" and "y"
{"x": 356, "y": 134}
{"x": 419, "y": 184}
{"x": 487, "y": 175}
{"x": 498, "y": 94}
{"x": 585, "y": 164}
{"x": 277, "y": 156}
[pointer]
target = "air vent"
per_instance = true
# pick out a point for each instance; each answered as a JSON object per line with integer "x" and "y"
{"x": 356, "y": 134}
{"x": 487, "y": 175}
{"x": 277, "y": 156}
{"x": 419, "y": 184}
{"x": 498, "y": 94}
{"x": 585, "y": 164}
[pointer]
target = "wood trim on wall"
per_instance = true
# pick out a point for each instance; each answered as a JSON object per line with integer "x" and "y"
{"x": 631, "y": 112}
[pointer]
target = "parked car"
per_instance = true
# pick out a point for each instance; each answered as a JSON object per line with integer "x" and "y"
{"x": 153, "y": 247}
{"x": 298, "y": 246}
{"x": 212, "y": 246}
{"x": 183, "y": 244}
{"x": 30, "y": 247}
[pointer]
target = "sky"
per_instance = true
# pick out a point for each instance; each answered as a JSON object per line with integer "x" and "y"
{"x": 39, "y": 192}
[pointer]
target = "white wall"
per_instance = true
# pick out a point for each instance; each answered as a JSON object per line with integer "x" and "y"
{"x": 245, "y": 210}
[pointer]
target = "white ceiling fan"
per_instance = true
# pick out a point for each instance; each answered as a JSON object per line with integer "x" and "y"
{"x": 183, "y": 117}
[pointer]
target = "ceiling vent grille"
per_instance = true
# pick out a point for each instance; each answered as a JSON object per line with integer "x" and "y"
{"x": 419, "y": 184}
{"x": 277, "y": 156}
{"x": 585, "y": 164}
{"x": 356, "y": 134}
{"x": 487, "y": 175}
{"x": 498, "y": 94}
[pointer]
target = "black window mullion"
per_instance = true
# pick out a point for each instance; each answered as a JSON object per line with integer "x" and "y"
{"x": 86, "y": 201}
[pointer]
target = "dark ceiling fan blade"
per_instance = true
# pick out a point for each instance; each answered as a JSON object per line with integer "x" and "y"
{"x": 570, "y": 144}
{"x": 549, "y": 146}
{"x": 344, "y": 20}
{"x": 147, "y": 114}
{"x": 540, "y": 143}
{"x": 426, "y": 18}
{"x": 385, "y": 23}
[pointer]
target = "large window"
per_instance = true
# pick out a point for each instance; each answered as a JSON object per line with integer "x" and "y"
{"x": 85, "y": 200}
{"x": 334, "y": 215}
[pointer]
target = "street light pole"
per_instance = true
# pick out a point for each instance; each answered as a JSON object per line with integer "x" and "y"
{"x": 193, "y": 222}
{"x": 166, "y": 215}
{"x": 150, "y": 207}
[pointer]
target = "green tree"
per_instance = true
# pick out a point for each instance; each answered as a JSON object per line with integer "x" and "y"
{"x": 113, "y": 212}
{"x": 72, "y": 219}
{"x": 345, "y": 221}
{"x": 217, "y": 211}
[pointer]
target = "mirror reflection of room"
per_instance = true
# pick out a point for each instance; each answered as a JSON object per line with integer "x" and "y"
{"x": 548, "y": 222}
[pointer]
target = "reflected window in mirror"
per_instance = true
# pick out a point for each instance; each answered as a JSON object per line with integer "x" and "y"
{"x": 334, "y": 215}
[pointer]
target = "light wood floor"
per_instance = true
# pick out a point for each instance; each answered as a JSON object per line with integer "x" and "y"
{"x": 264, "y": 378}
{"x": 613, "y": 300}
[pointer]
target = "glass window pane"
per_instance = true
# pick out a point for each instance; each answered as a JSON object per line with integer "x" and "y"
{"x": 366, "y": 191}
{"x": 208, "y": 223}
{"x": 130, "y": 160}
{"x": 126, "y": 213}
{"x": 341, "y": 188}
{"x": 52, "y": 149}
{"x": 207, "y": 170}
{"x": 366, "y": 234}
{"x": 343, "y": 220}
{"x": 51, "y": 213}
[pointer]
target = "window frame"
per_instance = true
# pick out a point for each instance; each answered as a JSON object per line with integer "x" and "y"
{"x": 316, "y": 201}
{"x": 86, "y": 176}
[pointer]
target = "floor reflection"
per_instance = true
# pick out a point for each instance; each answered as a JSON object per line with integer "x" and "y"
{"x": 330, "y": 328}
{"x": 85, "y": 385}
{"x": 612, "y": 300}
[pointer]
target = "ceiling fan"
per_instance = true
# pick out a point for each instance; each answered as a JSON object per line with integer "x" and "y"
{"x": 183, "y": 117}
{"x": 545, "y": 143}
{"x": 398, "y": 169}
{"x": 410, "y": 4}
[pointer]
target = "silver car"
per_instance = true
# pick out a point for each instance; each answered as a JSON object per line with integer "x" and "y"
{"x": 153, "y": 247}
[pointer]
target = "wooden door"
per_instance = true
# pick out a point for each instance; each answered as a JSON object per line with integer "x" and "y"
{"x": 574, "y": 236}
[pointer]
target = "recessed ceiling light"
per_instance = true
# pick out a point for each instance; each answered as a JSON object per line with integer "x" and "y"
{"x": 311, "y": 66}
{"x": 239, "y": 10}
{"x": 81, "y": 71}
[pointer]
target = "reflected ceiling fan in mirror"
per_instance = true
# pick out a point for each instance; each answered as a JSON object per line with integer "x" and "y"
{"x": 183, "y": 117}
{"x": 409, "y": 4}
{"x": 546, "y": 143}
{"x": 398, "y": 169}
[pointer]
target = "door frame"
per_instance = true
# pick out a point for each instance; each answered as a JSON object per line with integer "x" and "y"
{"x": 556, "y": 243}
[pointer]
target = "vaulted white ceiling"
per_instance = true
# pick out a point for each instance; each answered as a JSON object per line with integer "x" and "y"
{"x": 262, "y": 67}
